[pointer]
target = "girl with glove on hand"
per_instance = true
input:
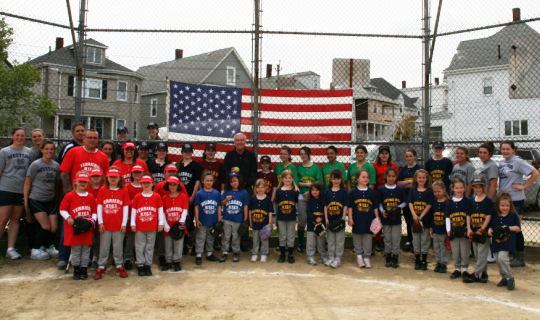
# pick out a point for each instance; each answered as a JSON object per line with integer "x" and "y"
{"x": 175, "y": 207}
{"x": 260, "y": 216}
{"x": 438, "y": 230}
{"x": 420, "y": 200}
{"x": 335, "y": 209}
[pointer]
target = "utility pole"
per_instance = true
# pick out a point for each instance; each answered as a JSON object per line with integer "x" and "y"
{"x": 427, "y": 74}
{"x": 278, "y": 70}
{"x": 256, "y": 75}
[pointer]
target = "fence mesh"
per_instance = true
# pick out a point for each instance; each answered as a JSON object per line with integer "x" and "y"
{"x": 349, "y": 76}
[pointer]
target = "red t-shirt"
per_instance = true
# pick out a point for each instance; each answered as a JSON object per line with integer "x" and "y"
{"x": 78, "y": 206}
{"x": 216, "y": 168}
{"x": 79, "y": 159}
{"x": 173, "y": 208}
{"x": 125, "y": 169}
{"x": 271, "y": 179}
{"x": 93, "y": 191}
{"x": 133, "y": 190}
{"x": 160, "y": 188}
{"x": 379, "y": 172}
{"x": 147, "y": 211}
{"x": 113, "y": 202}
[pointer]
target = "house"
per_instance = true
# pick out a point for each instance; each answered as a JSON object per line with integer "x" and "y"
{"x": 111, "y": 92}
{"x": 223, "y": 67}
{"x": 307, "y": 80}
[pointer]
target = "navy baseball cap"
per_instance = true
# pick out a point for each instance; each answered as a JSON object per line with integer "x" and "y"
{"x": 152, "y": 125}
{"x": 266, "y": 158}
{"x": 187, "y": 148}
{"x": 438, "y": 145}
{"x": 162, "y": 146}
{"x": 211, "y": 146}
{"x": 143, "y": 145}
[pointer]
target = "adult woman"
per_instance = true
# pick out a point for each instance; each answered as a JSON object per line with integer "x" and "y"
{"x": 40, "y": 184}
{"x": 38, "y": 137}
{"x": 489, "y": 168}
{"x": 383, "y": 162}
{"x": 128, "y": 160}
{"x": 308, "y": 173}
{"x": 157, "y": 164}
{"x": 463, "y": 169}
{"x": 361, "y": 164}
{"x": 511, "y": 172}
{"x": 14, "y": 161}
{"x": 331, "y": 165}
{"x": 211, "y": 164}
{"x": 286, "y": 158}
{"x": 405, "y": 181}
{"x": 108, "y": 149}
{"x": 438, "y": 166}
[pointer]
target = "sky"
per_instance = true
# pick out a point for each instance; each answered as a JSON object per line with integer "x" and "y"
{"x": 392, "y": 59}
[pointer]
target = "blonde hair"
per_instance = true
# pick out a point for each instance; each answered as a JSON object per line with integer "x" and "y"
{"x": 428, "y": 178}
{"x": 261, "y": 182}
{"x": 440, "y": 184}
{"x": 285, "y": 173}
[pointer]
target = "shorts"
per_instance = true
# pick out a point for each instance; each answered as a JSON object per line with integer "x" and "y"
{"x": 49, "y": 207}
{"x": 10, "y": 199}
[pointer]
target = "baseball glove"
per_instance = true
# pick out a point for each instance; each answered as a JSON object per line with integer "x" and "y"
{"x": 479, "y": 238}
{"x": 265, "y": 232}
{"x": 177, "y": 231}
{"x": 81, "y": 225}
{"x": 417, "y": 226}
{"x": 336, "y": 225}
{"x": 217, "y": 229}
{"x": 319, "y": 229}
{"x": 243, "y": 229}
{"x": 501, "y": 233}
{"x": 458, "y": 231}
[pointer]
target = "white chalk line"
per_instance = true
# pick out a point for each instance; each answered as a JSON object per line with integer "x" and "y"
{"x": 387, "y": 283}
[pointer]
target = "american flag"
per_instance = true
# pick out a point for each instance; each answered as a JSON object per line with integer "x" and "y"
{"x": 214, "y": 113}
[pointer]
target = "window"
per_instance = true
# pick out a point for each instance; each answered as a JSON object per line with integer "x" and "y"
{"x": 488, "y": 86}
{"x": 92, "y": 88}
{"x": 120, "y": 123}
{"x": 93, "y": 55}
{"x": 516, "y": 128}
{"x": 136, "y": 98}
{"x": 153, "y": 108}
{"x": 121, "y": 91}
{"x": 231, "y": 76}
{"x": 66, "y": 124}
{"x": 435, "y": 133}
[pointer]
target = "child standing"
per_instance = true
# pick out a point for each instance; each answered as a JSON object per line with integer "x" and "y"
{"x": 267, "y": 174}
{"x": 439, "y": 208}
{"x": 96, "y": 182}
{"x": 175, "y": 207}
{"x": 315, "y": 215}
{"x": 112, "y": 212}
{"x": 458, "y": 226}
{"x": 392, "y": 201}
{"x": 207, "y": 214}
{"x": 147, "y": 218}
{"x": 363, "y": 204}
{"x": 79, "y": 204}
{"x": 260, "y": 216}
{"x": 133, "y": 188}
{"x": 507, "y": 221}
{"x": 286, "y": 198}
{"x": 420, "y": 200}
{"x": 235, "y": 202}
{"x": 335, "y": 209}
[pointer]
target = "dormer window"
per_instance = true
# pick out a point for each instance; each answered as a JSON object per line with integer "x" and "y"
{"x": 93, "y": 55}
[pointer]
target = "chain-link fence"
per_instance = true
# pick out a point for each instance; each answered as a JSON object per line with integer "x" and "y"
{"x": 345, "y": 75}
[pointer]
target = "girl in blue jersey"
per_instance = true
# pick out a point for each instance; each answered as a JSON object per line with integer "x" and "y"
{"x": 420, "y": 200}
{"x": 235, "y": 202}
{"x": 438, "y": 230}
{"x": 335, "y": 209}
{"x": 286, "y": 198}
{"x": 260, "y": 216}
{"x": 315, "y": 215}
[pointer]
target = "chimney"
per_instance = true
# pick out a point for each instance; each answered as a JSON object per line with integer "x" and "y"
{"x": 403, "y": 84}
{"x": 516, "y": 14}
{"x": 59, "y": 43}
{"x": 268, "y": 70}
{"x": 436, "y": 81}
{"x": 178, "y": 54}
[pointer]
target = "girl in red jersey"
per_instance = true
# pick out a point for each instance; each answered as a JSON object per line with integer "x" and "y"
{"x": 96, "y": 181}
{"x": 78, "y": 204}
{"x": 170, "y": 170}
{"x": 147, "y": 218}
{"x": 175, "y": 207}
{"x": 133, "y": 187}
{"x": 112, "y": 212}
{"x": 128, "y": 161}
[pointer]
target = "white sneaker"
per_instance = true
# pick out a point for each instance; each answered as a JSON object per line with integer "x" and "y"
{"x": 38, "y": 254}
{"x": 360, "y": 261}
{"x": 367, "y": 262}
{"x": 336, "y": 263}
{"x": 328, "y": 262}
{"x": 263, "y": 258}
{"x": 312, "y": 261}
{"x": 254, "y": 258}
{"x": 53, "y": 253}
{"x": 12, "y": 254}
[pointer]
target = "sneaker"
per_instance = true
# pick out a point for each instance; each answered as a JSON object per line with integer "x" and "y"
{"x": 484, "y": 277}
{"x": 437, "y": 268}
{"x": 510, "y": 284}
{"x": 99, "y": 273}
{"x": 456, "y": 274}
{"x": 162, "y": 261}
{"x": 236, "y": 257}
{"x": 212, "y": 258}
{"x": 443, "y": 268}
{"x": 177, "y": 266}
{"x": 128, "y": 265}
{"x": 12, "y": 254}
{"x": 360, "y": 261}
{"x": 198, "y": 261}
{"x": 467, "y": 277}
{"x": 254, "y": 258}
{"x": 53, "y": 253}
{"x": 166, "y": 266}
{"x": 83, "y": 273}
{"x": 367, "y": 261}
{"x": 148, "y": 271}
{"x": 61, "y": 265}
{"x": 312, "y": 261}
{"x": 141, "y": 272}
{"x": 121, "y": 272}
{"x": 263, "y": 258}
{"x": 290, "y": 258}
{"x": 76, "y": 273}
{"x": 328, "y": 262}
{"x": 223, "y": 257}
{"x": 281, "y": 258}
{"x": 336, "y": 263}
{"x": 38, "y": 254}
{"x": 502, "y": 283}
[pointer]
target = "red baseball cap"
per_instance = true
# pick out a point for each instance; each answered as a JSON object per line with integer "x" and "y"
{"x": 173, "y": 179}
{"x": 128, "y": 145}
{"x": 113, "y": 173}
{"x": 82, "y": 176}
{"x": 170, "y": 167}
{"x": 146, "y": 179}
{"x": 137, "y": 168}
{"x": 96, "y": 172}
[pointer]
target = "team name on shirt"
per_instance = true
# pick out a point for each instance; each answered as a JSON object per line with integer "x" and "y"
{"x": 185, "y": 177}
{"x": 145, "y": 214}
{"x": 173, "y": 212}
{"x": 477, "y": 219}
{"x": 209, "y": 206}
{"x": 82, "y": 210}
{"x": 258, "y": 215}
{"x": 437, "y": 174}
{"x": 419, "y": 206}
{"x": 391, "y": 203}
{"x": 458, "y": 218}
{"x": 286, "y": 206}
{"x": 438, "y": 218}
{"x": 334, "y": 208}
{"x": 234, "y": 206}
{"x": 363, "y": 205}
{"x": 89, "y": 166}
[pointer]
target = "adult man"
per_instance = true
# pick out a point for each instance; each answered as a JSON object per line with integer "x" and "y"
{"x": 121, "y": 137}
{"x": 332, "y": 164}
{"x": 153, "y": 137}
{"x": 242, "y": 161}
{"x": 77, "y": 133}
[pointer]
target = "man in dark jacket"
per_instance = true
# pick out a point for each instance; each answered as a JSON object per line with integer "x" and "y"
{"x": 242, "y": 161}
{"x": 77, "y": 132}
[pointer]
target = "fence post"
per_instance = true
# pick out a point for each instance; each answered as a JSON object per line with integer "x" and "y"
{"x": 256, "y": 76}
{"x": 426, "y": 85}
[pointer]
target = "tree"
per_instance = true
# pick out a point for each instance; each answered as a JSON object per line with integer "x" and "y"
{"x": 406, "y": 128}
{"x": 18, "y": 101}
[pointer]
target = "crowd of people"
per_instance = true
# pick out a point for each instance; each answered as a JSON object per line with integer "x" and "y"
{"x": 132, "y": 198}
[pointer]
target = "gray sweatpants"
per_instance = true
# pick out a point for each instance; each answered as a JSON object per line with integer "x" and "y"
{"x": 503, "y": 261}
{"x": 392, "y": 238}
{"x": 363, "y": 244}
{"x": 316, "y": 244}
{"x": 129, "y": 248}
{"x": 173, "y": 249}
{"x": 439, "y": 249}
{"x": 286, "y": 233}
{"x": 481, "y": 251}
{"x": 105, "y": 239}
{"x": 301, "y": 212}
{"x": 80, "y": 256}
{"x": 202, "y": 238}
{"x": 461, "y": 251}
{"x": 257, "y": 241}
{"x": 144, "y": 247}
{"x": 230, "y": 230}
{"x": 421, "y": 241}
{"x": 336, "y": 243}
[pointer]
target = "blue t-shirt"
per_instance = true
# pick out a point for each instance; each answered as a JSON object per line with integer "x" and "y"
{"x": 234, "y": 209}
{"x": 335, "y": 202}
{"x": 315, "y": 209}
{"x": 508, "y": 243}
{"x": 458, "y": 211}
{"x": 363, "y": 204}
{"x": 480, "y": 211}
{"x": 208, "y": 203}
{"x": 438, "y": 209}
{"x": 286, "y": 204}
{"x": 419, "y": 200}
{"x": 440, "y": 170}
{"x": 390, "y": 199}
{"x": 260, "y": 211}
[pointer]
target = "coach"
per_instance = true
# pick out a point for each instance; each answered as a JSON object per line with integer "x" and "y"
{"x": 77, "y": 136}
{"x": 242, "y": 160}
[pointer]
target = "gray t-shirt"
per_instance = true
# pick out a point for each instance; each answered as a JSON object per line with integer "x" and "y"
{"x": 490, "y": 170}
{"x": 34, "y": 154}
{"x": 465, "y": 172}
{"x": 13, "y": 165}
{"x": 44, "y": 176}
{"x": 511, "y": 172}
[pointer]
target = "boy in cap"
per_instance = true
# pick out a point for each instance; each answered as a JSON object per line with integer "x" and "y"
{"x": 268, "y": 175}
{"x": 438, "y": 166}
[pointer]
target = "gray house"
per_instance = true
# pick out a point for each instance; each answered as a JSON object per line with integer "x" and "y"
{"x": 111, "y": 92}
{"x": 222, "y": 67}
{"x": 307, "y": 80}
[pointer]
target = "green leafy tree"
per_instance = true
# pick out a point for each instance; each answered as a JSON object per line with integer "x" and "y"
{"x": 18, "y": 100}
{"x": 406, "y": 128}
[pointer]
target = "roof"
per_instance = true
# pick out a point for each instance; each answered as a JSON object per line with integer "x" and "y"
{"x": 65, "y": 57}
{"x": 484, "y": 52}
{"x": 193, "y": 69}
{"x": 272, "y": 82}
{"x": 388, "y": 90}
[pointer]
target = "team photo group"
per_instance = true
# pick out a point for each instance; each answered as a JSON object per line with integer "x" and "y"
{"x": 92, "y": 199}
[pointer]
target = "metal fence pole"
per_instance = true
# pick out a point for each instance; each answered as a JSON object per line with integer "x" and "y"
{"x": 426, "y": 92}
{"x": 256, "y": 75}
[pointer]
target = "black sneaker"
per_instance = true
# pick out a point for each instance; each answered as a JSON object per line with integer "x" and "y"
{"x": 148, "y": 271}
{"x": 388, "y": 261}
{"x": 395, "y": 261}
{"x": 212, "y": 258}
{"x": 236, "y": 257}
{"x": 166, "y": 266}
{"x": 502, "y": 283}
{"x": 443, "y": 268}
{"x": 281, "y": 258}
{"x": 484, "y": 277}
{"x": 141, "y": 272}
{"x": 76, "y": 273}
{"x": 467, "y": 277}
{"x": 84, "y": 273}
{"x": 510, "y": 284}
{"x": 456, "y": 274}
{"x": 417, "y": 262}
{"x": 223, "y": 257}
{"x": 177, "y": 266}
{"x": 290, "y": 258}
{"x": 128, "y": 265}
{"x": 198, "y": 261}
{"x": 162, "y": 261}
{"x": 437, "y": 268}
